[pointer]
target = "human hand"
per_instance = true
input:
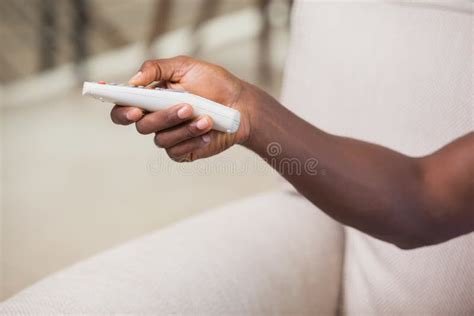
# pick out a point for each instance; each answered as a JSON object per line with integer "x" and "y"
{"x": 185, "y": 137}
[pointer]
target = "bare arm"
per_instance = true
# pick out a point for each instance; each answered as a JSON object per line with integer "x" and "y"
{"x": 407, "y": 201}
{"x": 410, "y": 202}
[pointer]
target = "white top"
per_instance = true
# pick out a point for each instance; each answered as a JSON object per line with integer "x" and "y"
{"x": 397, "y": 73}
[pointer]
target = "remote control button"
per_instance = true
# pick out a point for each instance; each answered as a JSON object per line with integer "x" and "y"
{"x": 101, "y": 82}
{"x": 141, "y": 87}
{"x": 158, "y": 88}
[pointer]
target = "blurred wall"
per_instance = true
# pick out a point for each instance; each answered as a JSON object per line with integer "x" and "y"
{"x": 74, "y": 184}
{"x": 45, "y": 33}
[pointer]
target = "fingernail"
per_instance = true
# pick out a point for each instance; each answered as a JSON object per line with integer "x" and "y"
{"x": 136, "y": 77}
{"x": 206, "y": 138}
{"x": 202, "y": 123}
{"x": 134, "y": 115}
{"x": 185, "y": 112}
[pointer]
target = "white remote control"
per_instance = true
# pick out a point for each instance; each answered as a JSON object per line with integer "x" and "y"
{"x": 225, "y": 119}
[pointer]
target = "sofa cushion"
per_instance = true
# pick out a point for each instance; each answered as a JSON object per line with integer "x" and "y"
{"x": 400, "y": 74}
{"x": 270, "y": 254}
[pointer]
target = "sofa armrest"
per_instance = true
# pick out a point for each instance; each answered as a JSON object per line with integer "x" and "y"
{"x": 270, "y": 254}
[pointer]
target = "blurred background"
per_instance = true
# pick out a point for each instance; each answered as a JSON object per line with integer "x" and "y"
{"x": 72, "y": 183}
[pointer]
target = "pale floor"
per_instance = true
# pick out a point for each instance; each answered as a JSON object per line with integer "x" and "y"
{"x": 74, "y": 184}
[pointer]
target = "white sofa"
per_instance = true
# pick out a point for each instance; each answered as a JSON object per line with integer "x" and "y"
{"x": 271, "y": 254}
{"x": 398, "y": 73}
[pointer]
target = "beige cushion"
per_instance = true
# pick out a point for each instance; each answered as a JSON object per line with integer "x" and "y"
{"x": 397, "y": 73}
{"x": 271, "y": 254}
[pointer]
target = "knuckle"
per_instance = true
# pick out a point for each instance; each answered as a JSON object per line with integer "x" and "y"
{"x": 190, "y": 131}
{"x": 159, "y": 141}
{"x": 141, "y": 128}
{"x": 116, "y": 116}
{"x": 113, "y": 117}
{"x": 171, "y": 117}
{"x": 171, "y": 152}
{"x": 183, "y": 58}
{"x": 220, "y": 70}
{"x": 147, "y": 64}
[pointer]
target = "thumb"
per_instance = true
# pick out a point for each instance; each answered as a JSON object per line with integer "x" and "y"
{"x": 137, "y": 79}
{"x": 171, "y": 69}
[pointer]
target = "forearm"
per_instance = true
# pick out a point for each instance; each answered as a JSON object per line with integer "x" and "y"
{"x": 407, "y": 201}
{"x": 366, "y": 186}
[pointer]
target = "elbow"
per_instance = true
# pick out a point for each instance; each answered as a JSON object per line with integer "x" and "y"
{"x": 412, "y": 244}
{"x": 406, "y": 233}
{"x": 425, "y": 212}
{"x": 422, "y": 237}
{"x": 424, "y": 219}
{"x": 416, "y": 237}
{"x": 437, "y": 212}
{"x": 427, "y": 225}
{"x": 404, "y": 246}
{"x": 429, "y": 229}
{"x": 423, "y": 227}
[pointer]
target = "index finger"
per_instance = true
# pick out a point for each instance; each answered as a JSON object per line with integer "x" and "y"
{"x": 125, "y": 115}
{"x": 170, "y": 69}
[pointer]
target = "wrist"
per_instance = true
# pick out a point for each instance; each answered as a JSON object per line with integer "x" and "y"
{"x": 260, "y": 113}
